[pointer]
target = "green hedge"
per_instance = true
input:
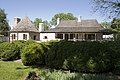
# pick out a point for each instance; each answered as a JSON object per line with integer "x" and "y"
{"x": 83, "y": 56}
{"x": 9, "y": 51}
{"x": 34, "y": 54}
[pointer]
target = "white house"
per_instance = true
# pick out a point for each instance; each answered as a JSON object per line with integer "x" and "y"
{"x": 79, "y": 30}
{"x": 24, "y": 30}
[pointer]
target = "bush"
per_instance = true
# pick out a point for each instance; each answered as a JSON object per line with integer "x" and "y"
{"x": 3, "y": 47}
{"x": 82, "y": 56}
{"x": 33, "y": 54}
{"x": 1, "y": 41}
{"x": 10, "y": 51}
{"x": 20, "y": 44}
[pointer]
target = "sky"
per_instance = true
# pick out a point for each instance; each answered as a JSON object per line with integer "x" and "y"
{"x": 46, "y": 9}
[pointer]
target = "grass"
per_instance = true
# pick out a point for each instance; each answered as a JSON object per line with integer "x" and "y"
{"x": 17, "y": 71}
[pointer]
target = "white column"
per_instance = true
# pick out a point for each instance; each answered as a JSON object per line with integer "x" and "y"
{"x": 63, "y": 36}
{"x": 95, "y": 37}
{"x": 69, "y": 36}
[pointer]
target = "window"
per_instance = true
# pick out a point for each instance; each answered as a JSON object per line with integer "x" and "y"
{"x": 13, "y": 36}
{"x": 59, "y": 36}
{"x": 25, "y": 36}
{"x": 45, "y": 37}
{"x": 89, "y": 36}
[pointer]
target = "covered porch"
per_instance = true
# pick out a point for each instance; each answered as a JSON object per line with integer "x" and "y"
{"x": 79, "y": 36}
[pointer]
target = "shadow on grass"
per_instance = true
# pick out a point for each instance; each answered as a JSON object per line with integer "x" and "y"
{"x": 22, "y": 68}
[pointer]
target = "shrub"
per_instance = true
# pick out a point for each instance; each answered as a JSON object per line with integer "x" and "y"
{"x": 10, "y": 51}
{"x": 1, "y": 41}
{"x": 20, "y": 44}
{"x": 33, "y": 54}
{"x": 3, "y": 47}
{"x": 82, "y": 56}
{"x": 29, "y": 42}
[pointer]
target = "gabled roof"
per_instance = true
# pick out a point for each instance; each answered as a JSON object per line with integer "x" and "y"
{"x": 90, "y": 25}
{"x": 83, "y": 23}
{"x": 25, "y": 25}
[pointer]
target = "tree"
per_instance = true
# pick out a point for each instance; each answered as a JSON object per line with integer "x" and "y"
{"x": 46, "y": 25}
{"x": 62, "y": 16}
{"x": 106, "y": 24}
{"x": 4, "y": 27}
{"x": 39, "y": 20}
{"x": 109, "y": 8}
{"x": 36, "y": 22}
{"x": 116, "y": 24}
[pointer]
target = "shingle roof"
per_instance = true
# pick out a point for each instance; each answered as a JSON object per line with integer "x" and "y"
{"x": 83, "y": 23}
{"x": 24, "y": 25}
{"x": 74, "y": 26}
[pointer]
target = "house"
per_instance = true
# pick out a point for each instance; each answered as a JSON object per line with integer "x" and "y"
{"x": 74, "y": 30}
{"x": 24, "y": 30}
{"x": 79, "y": 30}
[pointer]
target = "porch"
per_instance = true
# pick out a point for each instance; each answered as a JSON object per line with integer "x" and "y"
{"x": 81, "y": 36}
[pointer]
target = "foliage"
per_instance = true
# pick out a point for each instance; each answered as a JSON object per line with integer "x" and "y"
{"x": 1, "y": 41}
{"x": 61, "y": 75}
{"x": 29, "y": 42}
{"x": 83, "y": 56}
{"x": 106, "y": 25}
{"x": 46, "y": 25}
{"x": 3, "y": 47}
{"x": 116, "y": 24}
{"x": 62, "y": 16}
{"x": 109, "y": 8}
{"x": 4, "y": 27}
{"x": 37, "y": 21}
{"x": 10, "y": 52}
{"x": 33, "y": 54}
{"x": 17, "y": 71}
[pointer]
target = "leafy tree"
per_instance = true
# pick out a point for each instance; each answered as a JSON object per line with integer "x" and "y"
{"x": 37, "y": 21}
{"x": 4, "y": 27}
{"x": 109, "y": 8}
{"x": 46, "y": 25}
{"x": 116, "y": 24}
{"x": 106, "y": 24}
{"x": 62, "y": 16}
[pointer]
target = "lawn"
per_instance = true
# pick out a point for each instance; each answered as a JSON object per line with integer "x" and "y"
{"x": 14, "y": 70}
{"x": 17, "y": 71}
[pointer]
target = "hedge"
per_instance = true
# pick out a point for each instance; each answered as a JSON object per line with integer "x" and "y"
{"x": 83, "y": 56}
{"x": 9, "y": 51}
{"x": 34, "y": 54}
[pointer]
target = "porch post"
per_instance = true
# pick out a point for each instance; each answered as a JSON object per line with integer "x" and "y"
{"x": 95, "y": 37}
{"x": 83, "y": 36}
{"x": 63, "y": 36}
{"x": 68, "y": 36}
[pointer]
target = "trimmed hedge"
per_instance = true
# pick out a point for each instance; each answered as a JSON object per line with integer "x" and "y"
{"x": 34, "y": 54}
{"x": 83, "y": 56}
{"x": 9, "y": 51}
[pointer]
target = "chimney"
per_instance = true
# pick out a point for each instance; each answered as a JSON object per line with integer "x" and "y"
{"x": 58, "y": 21}
{"x": 79, "y": 18}
{"x": 41, "y": 27}
{"x": 16, "y": 21}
